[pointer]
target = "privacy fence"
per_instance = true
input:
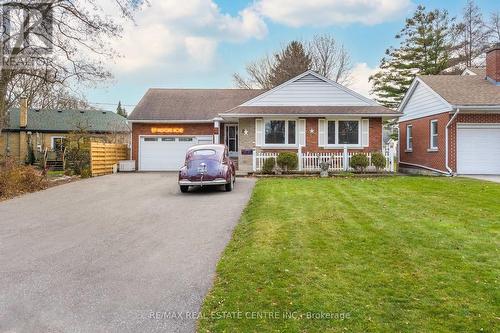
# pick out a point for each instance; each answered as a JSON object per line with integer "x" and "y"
{"x": 339, "y": 161}
{"x": 104, "y": 157}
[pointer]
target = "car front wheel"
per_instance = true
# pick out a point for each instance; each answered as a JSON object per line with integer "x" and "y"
{"x": 184, "y": 188}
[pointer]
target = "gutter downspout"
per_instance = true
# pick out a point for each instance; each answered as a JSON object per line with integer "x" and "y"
{"x": 446, "y": 147}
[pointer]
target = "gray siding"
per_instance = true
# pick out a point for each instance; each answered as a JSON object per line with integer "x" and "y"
{"x": 422, "y": 103}
{"x": 311, "y": 91}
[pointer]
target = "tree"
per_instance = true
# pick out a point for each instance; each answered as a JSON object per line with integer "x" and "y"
{"x": 329, "y": 58}
{"x": 494, "y": 27}
{"x": 424, "y": 49}
{"x": 290, "y": 62}
{"x": 56, "y": 42}
{"x": 120, "y": 110}
{"x": 472, "y": 34}
{"x": 322, "y": 54}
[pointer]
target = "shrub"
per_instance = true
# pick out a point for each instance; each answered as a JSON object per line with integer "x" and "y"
{"x": 16, "y": 179}
{"x": 359, "y": 162}
{"x": 86, "y": 173}
{"x": 287, "y": 161}
{"x": 268, "y": 165}
{"x": 378, "y": 160}
{"x": 77, "y": 159}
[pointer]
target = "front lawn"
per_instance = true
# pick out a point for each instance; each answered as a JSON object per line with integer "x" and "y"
{"x": 396, "y": 254}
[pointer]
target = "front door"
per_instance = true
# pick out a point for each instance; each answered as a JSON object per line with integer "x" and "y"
{"x": 231, "y": 139}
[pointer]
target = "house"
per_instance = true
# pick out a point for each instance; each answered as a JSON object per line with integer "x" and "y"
{"x": 308, "y": 113}
{"x": 46, "y": 129}
{"x": 451, "y": 123}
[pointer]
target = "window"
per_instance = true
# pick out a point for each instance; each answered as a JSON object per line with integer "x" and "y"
{"x": 434, "y": 134}
{"x": 150, "y": 139}
{"x": 57, "y": 143}
{"x": 185, "y": 139}
{"x": 349, "y": 132}
{"x": 342, "y": 132}
{"x": 204, "y": 152}
{"x": 168, "y": 139}
{"x": 409, "y": 137}
{"x": 280, "y": 132}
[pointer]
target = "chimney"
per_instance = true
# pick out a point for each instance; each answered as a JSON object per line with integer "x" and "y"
{"x": 23, "y": 112}
{"x": 493, "y": 64}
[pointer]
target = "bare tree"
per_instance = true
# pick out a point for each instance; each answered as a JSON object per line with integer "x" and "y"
{"x": 494, "y": 27}
{"x": 472, "y": 34}
{"x": 330, "y": 59}
{"x": 258, "y": 74}
{"x": 55, "y": 42}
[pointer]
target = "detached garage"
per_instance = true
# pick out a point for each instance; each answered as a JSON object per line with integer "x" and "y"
{"x": 478, "y": 149}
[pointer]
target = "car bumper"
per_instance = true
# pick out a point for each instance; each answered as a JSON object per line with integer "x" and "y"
{"x": 185, "y": 182}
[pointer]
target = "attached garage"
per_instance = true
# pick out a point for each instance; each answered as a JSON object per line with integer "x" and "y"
{"x": 478, "y": 149}
{"x": 166, "y": 153}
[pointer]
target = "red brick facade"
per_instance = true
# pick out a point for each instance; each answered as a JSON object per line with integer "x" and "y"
{"x": 421, "y": 155}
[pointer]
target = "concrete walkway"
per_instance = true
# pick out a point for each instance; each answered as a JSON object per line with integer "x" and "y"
{"x": 117, "y": 253}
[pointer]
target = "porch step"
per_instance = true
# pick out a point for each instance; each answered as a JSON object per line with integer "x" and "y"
{"x": 55, "y": 165}
{"x": 242, "y": 173}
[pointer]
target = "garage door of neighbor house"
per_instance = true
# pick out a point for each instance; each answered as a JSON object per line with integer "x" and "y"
{"x": 478, "y": 149}
{"x": 166, "y": 153}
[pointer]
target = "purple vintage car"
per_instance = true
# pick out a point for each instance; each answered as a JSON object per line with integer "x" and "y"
{"x": 207, "y": 165}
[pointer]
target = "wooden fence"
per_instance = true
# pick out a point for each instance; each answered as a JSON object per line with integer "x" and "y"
{"x": 103, "y": 156}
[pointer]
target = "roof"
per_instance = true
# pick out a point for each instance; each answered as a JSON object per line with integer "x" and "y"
{"x": 464, "y": 90}
{"x": 481, "y": 71}
{"x": 69, "y": 120}
{"x": 311, "y": 110}
{"x": 189, "y": 104}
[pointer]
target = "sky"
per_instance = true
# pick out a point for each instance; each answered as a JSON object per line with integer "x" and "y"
{"x": 201, "y": 43}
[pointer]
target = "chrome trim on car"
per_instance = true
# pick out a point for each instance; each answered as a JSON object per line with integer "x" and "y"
{"x": 185, "y": 182}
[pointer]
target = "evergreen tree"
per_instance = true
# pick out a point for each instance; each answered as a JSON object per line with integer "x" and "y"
{"x": 121, "y": 110}
{"x": 424, "y": 49}
{"x": 290, "y": 62}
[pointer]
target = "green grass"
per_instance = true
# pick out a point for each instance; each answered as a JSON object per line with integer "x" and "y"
{"x": 395, "y": 254}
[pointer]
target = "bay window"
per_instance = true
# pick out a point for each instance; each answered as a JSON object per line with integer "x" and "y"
{"x": 280, "y": 132}
{"x": 343, "y": 132}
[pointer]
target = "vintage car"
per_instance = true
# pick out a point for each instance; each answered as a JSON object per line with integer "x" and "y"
{"x": 207, "y": 165}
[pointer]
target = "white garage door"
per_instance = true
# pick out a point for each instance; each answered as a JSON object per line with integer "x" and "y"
{"x": 478, "y": 149}
{"x": 157, "y": 153}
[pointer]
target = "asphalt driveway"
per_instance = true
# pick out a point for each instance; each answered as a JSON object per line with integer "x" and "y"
{"x": 119, "y": 253}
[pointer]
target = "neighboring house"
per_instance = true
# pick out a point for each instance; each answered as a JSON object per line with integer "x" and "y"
{"x": 308, "y": 113}
{"x": 46, "y": 129}
{"x": 451, "y": 123}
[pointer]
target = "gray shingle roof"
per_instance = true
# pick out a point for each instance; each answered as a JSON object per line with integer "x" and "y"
{"x": 189, "y": 104}
{"x": 481, "y": 71}
{"x": 311, "y": 110}
{"x": 464, "y": 90}
{"x": 69, "y": 120}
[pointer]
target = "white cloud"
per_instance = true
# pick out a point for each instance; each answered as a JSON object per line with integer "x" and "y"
{"x": 171, "y": 32}
{"x": 359, "y": 79}
{"x": 299, "y": 13}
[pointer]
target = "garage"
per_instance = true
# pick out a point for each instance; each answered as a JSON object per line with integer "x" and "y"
{"x": 166, "y": 153}
{"x": 478, "y": 149}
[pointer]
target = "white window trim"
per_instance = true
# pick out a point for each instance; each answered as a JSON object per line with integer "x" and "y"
{"x": 52, "y": 145}
{"x": 408, "y": 138}
{"x": 280, "y": 145}
{"x": 431, "y": 135}
{"x": 341, "y": 145}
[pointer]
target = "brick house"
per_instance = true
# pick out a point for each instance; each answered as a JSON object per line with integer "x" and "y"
{"x": 451, "y": 123}
{"x": 308, "y": 113}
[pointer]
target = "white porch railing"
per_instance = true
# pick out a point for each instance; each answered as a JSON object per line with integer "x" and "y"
{"x": 339, "y": 161}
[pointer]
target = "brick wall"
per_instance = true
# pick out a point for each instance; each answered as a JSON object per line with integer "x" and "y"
{"x": 421, "y": 142}
{"x": 145, "y": 129}
{"x": 421, "y": 139}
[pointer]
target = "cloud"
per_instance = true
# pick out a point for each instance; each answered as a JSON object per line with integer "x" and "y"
{"x": 359, "y": 79}
{"x": 298, "y": 13}
{"x": 171, "y": 32}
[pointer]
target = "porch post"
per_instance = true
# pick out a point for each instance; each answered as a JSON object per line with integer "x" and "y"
{"x": 299, "y": 155}
{"x": 254, "y": 160}
{"x": 217, "y": 121}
